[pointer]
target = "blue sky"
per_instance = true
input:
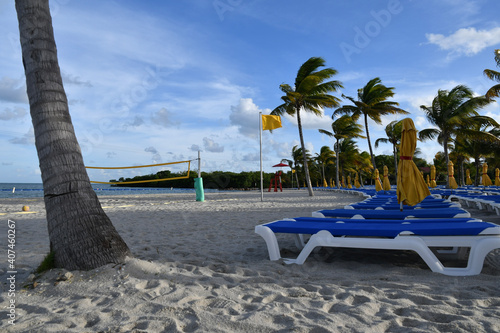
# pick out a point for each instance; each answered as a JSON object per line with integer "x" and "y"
{"x": 156, "y": 81}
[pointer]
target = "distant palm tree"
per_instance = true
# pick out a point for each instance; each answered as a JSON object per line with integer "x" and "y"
{"x": 371, "y": 103}
{"x": 452, "y": 112}
{"x": 325, "y": 158}
{"x": 393, "y": 132}
{"x": 292, "y": 168}
{"x": 461, "y": 155}
{"x": 342, "y": 128}
{"x": 481, "y": 145}
{"x": 349, "y": 152}
{"x": 298, "y": 158}
{"x": 495, "y": 76}
{"x": 363, "y": 165}
{"x": 309, "y": 94}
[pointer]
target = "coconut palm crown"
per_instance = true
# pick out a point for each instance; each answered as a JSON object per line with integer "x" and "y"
{"x": 309, "y": 94}
{"x": 371, "y": 103}
{"x": 393, "y": 132}
{"x": 454, "y": 112}
{"x": 342, "y": 128}
{"x": 495, "y": 76}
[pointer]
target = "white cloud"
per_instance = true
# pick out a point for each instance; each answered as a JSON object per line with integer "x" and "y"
{"x": 466, "y": 41}
{"x": 163, "y": 117}
{"x": 156, "y": 157}
{"x": 76, "y": 80}
{"x": 312, "y": 121}
{"x": 195, "y": 148}
{"x": 245, "y": 115}
{"x": 12, "y": 90}
{"x": 420, "y": 122}
{"x": 15, "y": 113}
{"x": 26, "y": 139}
{"x": 212, "y": 146}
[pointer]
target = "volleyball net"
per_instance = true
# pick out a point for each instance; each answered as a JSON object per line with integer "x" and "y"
{"x": 142, "y": 166}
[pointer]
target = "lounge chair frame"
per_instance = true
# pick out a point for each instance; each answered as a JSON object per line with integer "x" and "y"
{"x": 480, "y": 245}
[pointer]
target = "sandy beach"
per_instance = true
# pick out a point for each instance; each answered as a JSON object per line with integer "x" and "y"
{"x": 199, "y": 267}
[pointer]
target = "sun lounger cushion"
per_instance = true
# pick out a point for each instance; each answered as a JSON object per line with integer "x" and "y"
{"x": 313, "y": 225}
{"x": 393, "y": 214}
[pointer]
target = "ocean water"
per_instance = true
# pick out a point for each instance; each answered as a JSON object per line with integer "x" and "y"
{"x": 35, "y": 190}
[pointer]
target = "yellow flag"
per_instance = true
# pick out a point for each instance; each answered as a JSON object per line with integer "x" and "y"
{"x": 270, "y": 122}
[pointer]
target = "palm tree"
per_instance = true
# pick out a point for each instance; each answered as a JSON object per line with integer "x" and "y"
{"x": 371, "y": 103}
{"x": 81, "y": 234}
{"x": 298, "y": 158}
{"x": 495, "y": 76}
{"x": 294, "y": 172}
{"x": 310, "y": 94}
{"x": 349, "y": 154}
{"x": 451, "y": 112}
{"x": 363, "y": 165}
{"x": 342, "y": 128}
{"x": 461, "y": 156}
{"x": 480, "y": 142}
{"x": 325, "y": 158}
{"x": 393, "y": 132}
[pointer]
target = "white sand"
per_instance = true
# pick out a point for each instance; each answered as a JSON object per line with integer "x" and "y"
{"x": 199, "y": 267}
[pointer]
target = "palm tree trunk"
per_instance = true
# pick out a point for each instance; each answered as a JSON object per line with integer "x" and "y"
{"x": 477, "y": 161}
{"x": 462, "y": 173}
{"x": 447, "y": 159}
{"x": 303, "y": 146}
{"x": 81, "y": 235}
{"x": 338, "y": 158}
{"x": 369, "y": 142}
{"x": 395, "y": 152}
{"x": 323, "y": 170}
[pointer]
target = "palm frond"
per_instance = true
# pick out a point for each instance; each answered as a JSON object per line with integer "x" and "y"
{"x": 381, "y": 140}
{"x": 493, "y": 92}
{"x": 428, "y": 134}
{"x": 492, "y": 75}
{"x": 307, "y": 68}
{"x": 322, "y": 131}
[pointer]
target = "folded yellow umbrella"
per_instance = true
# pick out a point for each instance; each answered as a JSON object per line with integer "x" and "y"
{"x": 486, "y": 179}
{"x": 378, "y": 185}
{"x": 451, "y": 178}
{"x": 343, "y": 182}
{"x": 356, "y": 181}
{"x": 428, "y": 181}
{"x": 325, "y": 184}
{"x": 411, "y": 187}
{"x": 468, "y": 181}
{"x": 433, "y": 176}
{"x": 497, "y": 177}
{"x": 349, "y": 181}
{"x": 386, "y": 185}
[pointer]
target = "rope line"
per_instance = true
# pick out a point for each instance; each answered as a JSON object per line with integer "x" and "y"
{"x": 142, "y": 166}
{"x": 137, "y": 166}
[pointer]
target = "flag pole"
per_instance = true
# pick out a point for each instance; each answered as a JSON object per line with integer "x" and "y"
{"x": 261, "y": 179}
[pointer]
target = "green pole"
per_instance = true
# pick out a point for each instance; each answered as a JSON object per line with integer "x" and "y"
{"x": 198, "y": 183}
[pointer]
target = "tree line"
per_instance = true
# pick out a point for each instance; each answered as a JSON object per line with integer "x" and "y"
{"x": 464, "y": 133}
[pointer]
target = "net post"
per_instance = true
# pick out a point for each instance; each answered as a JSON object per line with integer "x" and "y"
{"x": 198, "y": 182}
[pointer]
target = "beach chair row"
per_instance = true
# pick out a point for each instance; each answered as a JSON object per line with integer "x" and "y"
{"x": 488, "y": 201}
{"x": 429, "y": 231}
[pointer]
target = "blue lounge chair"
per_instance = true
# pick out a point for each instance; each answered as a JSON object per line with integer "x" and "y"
{"x": 390, "y": 202}
{"x": 392, "y": 206}
{"x": 480, "y": 237}
{"x": 393, "y": 214}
